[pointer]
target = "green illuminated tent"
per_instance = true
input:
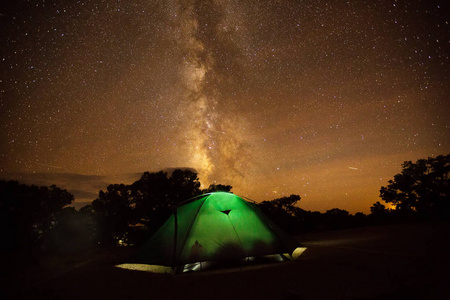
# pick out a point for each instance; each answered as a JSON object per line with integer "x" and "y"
{"x": 215, "y": 227}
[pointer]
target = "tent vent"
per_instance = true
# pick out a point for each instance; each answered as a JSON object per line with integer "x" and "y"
{"x": 226, "y": 211}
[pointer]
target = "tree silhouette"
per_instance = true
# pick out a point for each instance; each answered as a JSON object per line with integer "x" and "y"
{"x": 337, "y": 212}
{"x": 72, "y": 233}
{"x": 27, "y": 214}
{"x": 283, "y": 212}
{"x": 155, "y": 195}
{"x": 421, "y": 187}
{"x": 378, "y": 209}
{"x": 337, "y": 218}
{"x": 146, "y": 203}
{"x": 184, "y": 184}
{"x": 150, "y": 192}
{"x": 284, "y": 204}
{"x": 114, "y": 213}
{"x": 217, "y": 188}
{"x": 379, "y": 213}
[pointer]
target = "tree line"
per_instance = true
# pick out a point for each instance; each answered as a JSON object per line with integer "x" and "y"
{"x": 36, "y": 220}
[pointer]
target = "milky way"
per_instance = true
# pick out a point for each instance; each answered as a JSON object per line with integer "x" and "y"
{"x": 212, "y": 137}
{"x": 324, "y": 99}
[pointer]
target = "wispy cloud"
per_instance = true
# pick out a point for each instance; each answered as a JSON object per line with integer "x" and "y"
{"x": 85, "y": 188}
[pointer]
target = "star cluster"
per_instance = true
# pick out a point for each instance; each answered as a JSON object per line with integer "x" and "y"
{"x": 319, "y": 98}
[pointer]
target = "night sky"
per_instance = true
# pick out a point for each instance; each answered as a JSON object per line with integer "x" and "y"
{"x": 324, "y": 99}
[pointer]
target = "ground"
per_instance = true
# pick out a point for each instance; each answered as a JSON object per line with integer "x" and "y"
{"x": 406, "y": 261}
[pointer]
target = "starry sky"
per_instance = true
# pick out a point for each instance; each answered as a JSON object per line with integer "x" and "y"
{"x": 324, "y": 99}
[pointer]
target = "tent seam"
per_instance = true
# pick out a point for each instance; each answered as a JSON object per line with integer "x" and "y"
{"x": 192, "y": 224}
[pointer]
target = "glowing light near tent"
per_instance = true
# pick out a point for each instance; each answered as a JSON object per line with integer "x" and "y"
{"x": 216, "y": 228}
{"x": 145, "y": 268}
{"x": 297, "y": 252}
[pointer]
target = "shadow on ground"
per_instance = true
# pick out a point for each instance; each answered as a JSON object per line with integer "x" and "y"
{"x": 387, "y": 262}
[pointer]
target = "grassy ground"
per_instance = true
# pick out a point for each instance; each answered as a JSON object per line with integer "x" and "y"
{"x": 387, "y": 262}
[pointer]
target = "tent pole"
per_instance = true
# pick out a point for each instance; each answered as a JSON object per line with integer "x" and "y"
{"x": 175, "y": 240}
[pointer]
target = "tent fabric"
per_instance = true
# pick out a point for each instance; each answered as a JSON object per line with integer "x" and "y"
{"x": 214, "y": 227}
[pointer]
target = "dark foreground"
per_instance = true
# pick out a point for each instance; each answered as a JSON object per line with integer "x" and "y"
{"x": 408, "y": 261}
